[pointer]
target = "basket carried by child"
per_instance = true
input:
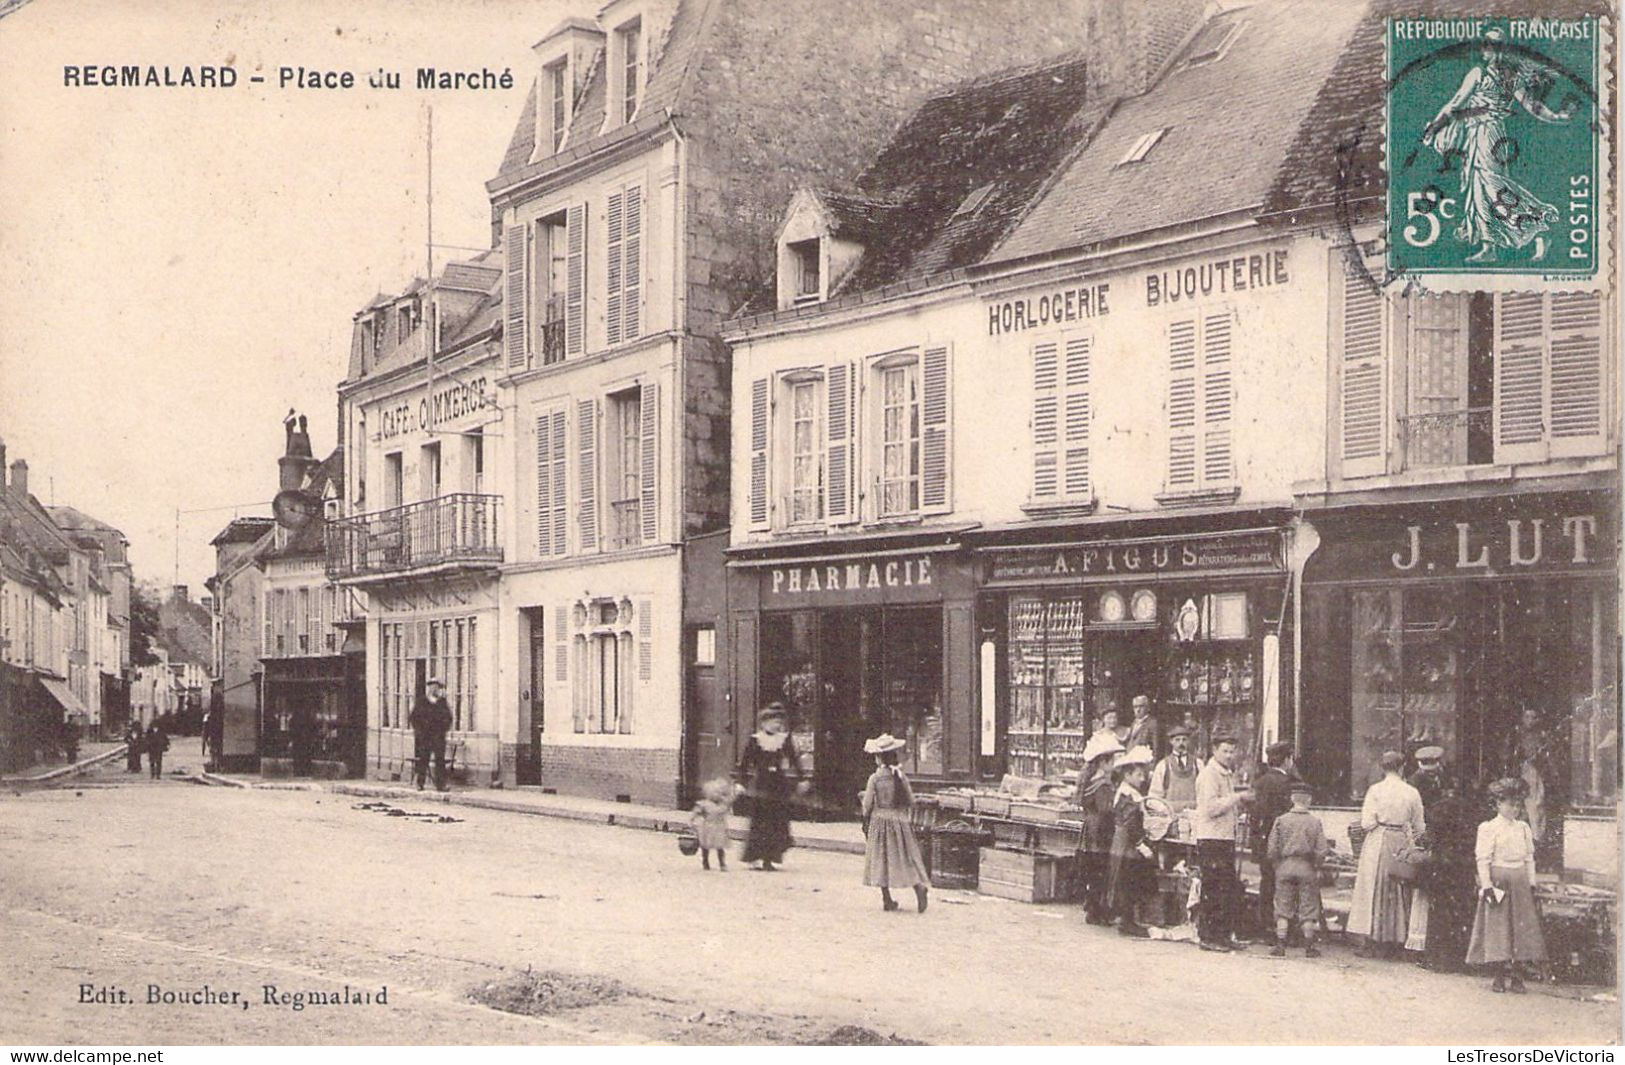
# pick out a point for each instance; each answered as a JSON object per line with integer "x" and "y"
{"x": 688, "y": 843}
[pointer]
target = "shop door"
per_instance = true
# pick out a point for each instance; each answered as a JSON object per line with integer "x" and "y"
{"x": 848, "y": 659}
{"x": 713, "y": 727}
{"x": 529, "y": 771}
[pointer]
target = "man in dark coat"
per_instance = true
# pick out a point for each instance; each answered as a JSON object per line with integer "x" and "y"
{"x": 133, "y": 741}
{"x": 430, "y": 720}
{"x": 1451, "y": 878}
{"x": 1272, "y": 797}
{"x": 156, "y": 743}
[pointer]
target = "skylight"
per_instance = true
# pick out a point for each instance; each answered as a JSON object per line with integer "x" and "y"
{"x": 1142, "y": 147}
{"x": 973, "y": 202}
{"x": 1213, "y": 41}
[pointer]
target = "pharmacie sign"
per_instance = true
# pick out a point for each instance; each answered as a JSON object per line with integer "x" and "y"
{"x": 856, "y": 580}
{"x": 455, "y": 400}
{"x": 1107, "y": 559}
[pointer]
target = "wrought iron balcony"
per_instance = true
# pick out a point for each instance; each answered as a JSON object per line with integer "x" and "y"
{"x": 448, "y": 530}
{"x": 625, "y": 524}
{"x": 553, "y": 331}
{"x": 1447, "y": 437}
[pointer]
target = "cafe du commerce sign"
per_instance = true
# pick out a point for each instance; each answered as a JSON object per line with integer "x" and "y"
{"x": 1252, "y": 552}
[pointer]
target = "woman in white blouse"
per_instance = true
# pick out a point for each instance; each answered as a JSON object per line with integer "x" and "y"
{"x": 1391, "y": 817}
{"x": 1506, "y": 930}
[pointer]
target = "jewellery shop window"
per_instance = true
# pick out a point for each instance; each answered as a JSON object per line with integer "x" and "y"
{"x": 1405, "y": 669}
{"x": 1077, "y": 662}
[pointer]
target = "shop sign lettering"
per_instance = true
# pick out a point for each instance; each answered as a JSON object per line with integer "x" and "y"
{"x": 1128, "y": 558}
{"x": 1218, "y": 277}
{"x": 856, "y": 576}
{"x": 448, "y": 404}
{"x": 1076, "y": 304}
{"x": 1498, "y": 546}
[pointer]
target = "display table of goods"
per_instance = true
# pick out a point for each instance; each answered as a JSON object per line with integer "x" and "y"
{"x": 1579, "y": 923}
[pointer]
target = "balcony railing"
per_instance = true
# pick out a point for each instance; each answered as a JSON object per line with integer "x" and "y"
{"x": 553, "y": 332}
{"x": 1459, "y": 437}
{"x": 625, "y": 524}
{"x": 459, "y": 528}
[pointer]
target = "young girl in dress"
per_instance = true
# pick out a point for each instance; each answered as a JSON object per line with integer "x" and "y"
{"x": 1506, "y": 931}
{"x": 710, "y": 820}
{"x": 891, "y": 856}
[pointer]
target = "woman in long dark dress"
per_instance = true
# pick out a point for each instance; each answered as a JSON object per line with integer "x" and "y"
{"x": 771, "y": 771}
{"x": 1095, "y": 795}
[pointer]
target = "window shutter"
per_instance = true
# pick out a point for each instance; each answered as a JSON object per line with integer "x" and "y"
{"x": 1217, "y": 397}
{"x": 646, "y": 635}
{"x": 575, "y": 279}
{"x": 581, "y": 693}
{"x": 1364, "y": 443}
{"x": 560, "y": 509}
{"x": 1046, "y": 422}
{"x": 935, "y": 452}
{"x": 1576, "y": 374}
{"x": 1075, "y": 419}
{"x": 615, "y": 276}
{"x": 561, "y": 644}
{"x": 649, "y": 462}
{"x": 544, "y": 486}
{"x": 515, "y": 330}
{"x": 1520, "y": 377}
{"x": 759, "y": 511}
{"x": 587, "y": 472}
{"x": 632, "y": 265}
{"x": 838, "y": 467}
{"x": 1182, "y": 405}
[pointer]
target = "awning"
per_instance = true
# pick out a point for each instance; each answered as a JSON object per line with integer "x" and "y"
{"x": 71, "y": 706}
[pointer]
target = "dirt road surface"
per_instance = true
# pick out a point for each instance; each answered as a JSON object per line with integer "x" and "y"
{"x": 120, "y": 882}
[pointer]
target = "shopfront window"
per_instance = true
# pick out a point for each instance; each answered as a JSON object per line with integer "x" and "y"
{"x": 1406, "y": 675}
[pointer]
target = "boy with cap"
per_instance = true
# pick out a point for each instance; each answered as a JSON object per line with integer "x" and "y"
{"x": 1297, "y": 845}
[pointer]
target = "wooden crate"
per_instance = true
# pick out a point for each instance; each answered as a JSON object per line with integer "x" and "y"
{"x": 1027, "y": 877}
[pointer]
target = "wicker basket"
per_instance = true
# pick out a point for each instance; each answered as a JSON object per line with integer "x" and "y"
{"x": 1356, "y": 838}
{"x": 955, "y": 854}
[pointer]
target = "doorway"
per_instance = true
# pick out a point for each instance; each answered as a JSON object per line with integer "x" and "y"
{"x": 713, "y": 727}
{"x": 529, "y": 768}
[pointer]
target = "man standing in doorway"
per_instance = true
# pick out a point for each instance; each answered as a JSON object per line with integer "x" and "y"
{"x": 1144, "y": 730}
{"x": 1272, "y": 797}
{"x": 1217, "y": 803}
{"x": 430, "y": 720}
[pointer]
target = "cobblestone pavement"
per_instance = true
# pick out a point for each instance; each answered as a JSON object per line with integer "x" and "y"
{"x": 115, "y": 880}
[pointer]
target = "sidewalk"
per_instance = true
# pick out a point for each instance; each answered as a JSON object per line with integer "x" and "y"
{"x": 91, "y": 755}
{"x": 841, "y": 836}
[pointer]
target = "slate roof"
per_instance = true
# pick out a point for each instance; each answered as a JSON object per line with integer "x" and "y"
{"x": 1230, "y": 123}
{"x": 482, "y": 274}
{"x": 669, "y": 60}
{"x": 67, "y": 517}
{"x": 1342, "y": 134}
{"x": 243, "y": 530}
{"x": 993, "y": 140}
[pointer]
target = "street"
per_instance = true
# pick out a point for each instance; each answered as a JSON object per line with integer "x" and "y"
{"x": 119, "y": 882}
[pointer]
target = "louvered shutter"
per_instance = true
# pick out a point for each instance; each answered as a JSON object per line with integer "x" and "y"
{"x": 1576, "y": 374}
{"x": 649, "y": 462}
{"x": 561, "y": 645}
{"x": 1182, "y": 406}
{"x": 575, "y": 279}
{"x": 515, "y": 327}
{"x": 759, "y": 510}
{"x": 1075, "y": 418}
{"x": 646, "y": 637}
{"x": 1046, "y": 422}
{"x": 1520, "y": 377}
{"x": 1364, "y": 436}
{"x": 561, "y": 513}
{"x": 632, "y": 265}
{"x": 615, "y": 277}
{"x": 1217, "y": 397}
{"x": 544, "y": 486}
{"x": 587, "y": 473}
{"x": 935, "y": 433}
{"x": 840, "y": 506}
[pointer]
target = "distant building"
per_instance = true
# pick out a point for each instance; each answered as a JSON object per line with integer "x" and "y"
{"x": 237, "y": 587}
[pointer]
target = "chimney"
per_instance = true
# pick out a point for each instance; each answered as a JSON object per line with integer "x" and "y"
{"x": 2, "y": 458}
{"x": 182, "y": 595}
{"x": 297, "y": 458}
{"x": 19, "y": 476}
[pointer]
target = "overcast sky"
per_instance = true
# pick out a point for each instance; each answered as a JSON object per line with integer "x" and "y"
{"x": 178, "y": 266}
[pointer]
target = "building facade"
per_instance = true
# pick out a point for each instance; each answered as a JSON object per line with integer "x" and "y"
{"x": 238, "y": 591}
{"x": 635, "y": 210}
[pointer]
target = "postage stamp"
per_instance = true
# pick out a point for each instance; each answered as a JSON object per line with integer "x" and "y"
{"x": 1497, "y": 153}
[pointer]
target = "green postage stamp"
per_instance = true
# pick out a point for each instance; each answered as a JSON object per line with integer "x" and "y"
{"x": 1497, "y": 152}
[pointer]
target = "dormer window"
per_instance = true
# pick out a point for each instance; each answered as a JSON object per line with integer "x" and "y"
{"x": 1142, "y": 147}
{"x": 629, "y": 67}
{"x": 804, "y": 258}
{"x": 556, "y": 84}
{"x": 1212, "y": 42}
{"x": 405, "y": 326}
{"x": 377, "y": 329}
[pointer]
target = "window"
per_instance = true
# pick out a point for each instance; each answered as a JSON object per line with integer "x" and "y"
{"x": 361, "y": 463}
{"x": 705, "y": 645}
{"x": 303, "y": 621}
{"x": 974, "y": 201}
{"x": 284, "y": 622}
{"x": 623, "y": 290}
{"x": 1212, "y": 41}
{"x": 552, "y": 260}
{"x": 604, "y": 675}
{"x": 558, "y": 100}
{"x": 476, "y": 459}
{"x": 1142, "y": 147}
{"x": 625, "y": 477}
{"x": 899, "y": 440}
{"x": 805, "y": 255}
{"x": 405, "y": 323}
{"x": 628, "y": 55}
{"x": 429, "y": 471}
{"x": 1060, "y": 420}
{"x": 806, "y": 452}
{"x": 394, "y": 485}
{"x": 1199, "y": 403}
{"x": 392, "y": 675}
{"x": 376, "y": 327}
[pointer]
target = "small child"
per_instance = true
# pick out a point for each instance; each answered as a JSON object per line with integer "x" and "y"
{"x": 710, "y": 820}
{"x": 1297, "y": 845}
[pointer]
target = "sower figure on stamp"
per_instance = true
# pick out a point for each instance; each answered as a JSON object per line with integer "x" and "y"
{"x": 430, "y": 721}
{"x": 1496, "y": 211}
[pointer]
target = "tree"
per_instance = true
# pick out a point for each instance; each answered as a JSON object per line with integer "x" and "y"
{"x": 144, "y": 626}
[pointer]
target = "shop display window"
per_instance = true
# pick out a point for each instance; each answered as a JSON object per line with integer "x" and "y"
{"x": 1405, "y": 674}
